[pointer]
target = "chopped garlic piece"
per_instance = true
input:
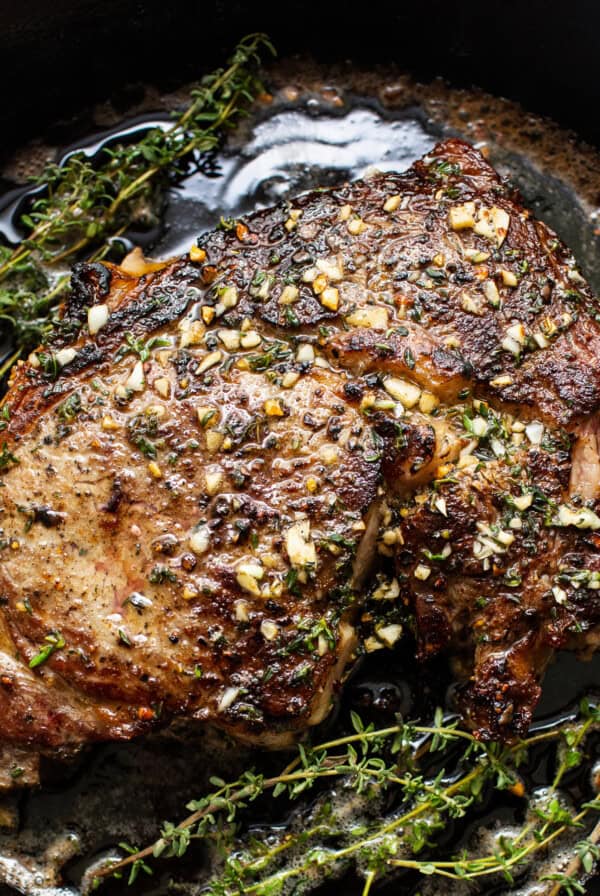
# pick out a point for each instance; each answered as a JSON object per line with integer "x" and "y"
{"x": 330, "y": 298}
{"x": 462, "y": 217}
{"x": 329, "y": 454}
{"x": 136, "y": 380}
{"x": 209, "y": 361}
{"x": 299, "y": 545}
{"x": 241, "y": 610}
{"x": 156, "y": 410}
{"x": 580, "y": 517}
{"x": 490, "y": 291}
{"x": 508, "y": 278}
{"x": 511, "y": 345}
{"x": 269, "y": 630}
{"x": 252, "y": 568}
{"x": 273, "y": 407}
{"x": 372, "y": 644}
{"x": 65, "y": 356}
{"x": 422, "y": 572}
{"x": 497, "y": 447}
{"x": 479, "y": 427}
{"x": 191, "y": 332}
{"x": 250, "y": 339}
{"x": 229, "y": 297}
{"x": 428, "y": 402}
{"x": 197, "y": 254}
{"x": 305, "y": 354}
{"x": 493, "y": 224}
{"x": 387, "y": 590}
{"x": 319, "y": 284}
{"x": 505, "y": 538}
{"x": 229, "y": 697}
{"x": 290, "y": 379}
{"x": 476, "y": 256}
{"x": 472, "y": 304}
{"x": 214, "y": 440}
{"x": 389, "y": 634}
{"x": 534, "y": 432}
{"x": 392, "y": 203}
{"x": 247, "y": 583}
{"x": 373, "y": 316}
{"x": 331, "y": 268}
{"x": 560, "y": 595}
{"x": 97, "y": 318}
{"x": 109, "y": 424}
{"x": 440, "y": 506}
{"x": 310, "y": 275}
{"x": 522, "y": 502}
{"x": 292, "y": 221}
{"x": 402, "y": 390}
{"x": 162, "y": 386}
{"x": 230, "y": 339}
{"x": 517, "y": 331}
{"x": 208, "y": 314}
{"x": 356, "y": 225}
{"x": 289, "y": 295}
{"x": 199, "y": 540}
{"x": 213, "y": 478}
{"x": 503, "y": 380}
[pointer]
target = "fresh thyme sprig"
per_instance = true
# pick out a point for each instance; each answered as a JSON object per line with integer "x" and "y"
{"x": 369, "y": 763}
{"x": 87, "y": 201}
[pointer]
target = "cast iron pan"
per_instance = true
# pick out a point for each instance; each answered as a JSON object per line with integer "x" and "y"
{"x": 78, "y": 73}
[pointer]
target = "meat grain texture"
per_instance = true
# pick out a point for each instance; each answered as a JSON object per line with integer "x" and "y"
{"x": 204, "y": 470}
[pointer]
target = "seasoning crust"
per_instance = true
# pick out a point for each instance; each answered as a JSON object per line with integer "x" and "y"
{"x": 203, "y": 471}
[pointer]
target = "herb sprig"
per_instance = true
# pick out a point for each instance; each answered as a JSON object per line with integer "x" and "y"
{"x": 371, "y": 762}
{"x": 85, "y": 202}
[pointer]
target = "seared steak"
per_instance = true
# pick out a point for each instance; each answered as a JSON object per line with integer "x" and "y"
{"x": 200, "y": 478}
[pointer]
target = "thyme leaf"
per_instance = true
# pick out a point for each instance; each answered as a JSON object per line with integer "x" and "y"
{"x": 54, "y": 641}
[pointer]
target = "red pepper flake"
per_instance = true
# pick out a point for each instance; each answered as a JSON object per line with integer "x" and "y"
{"x": 145, "y": 714}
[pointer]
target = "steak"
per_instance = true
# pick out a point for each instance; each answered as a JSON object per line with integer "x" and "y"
{"x": 206, "y": 467}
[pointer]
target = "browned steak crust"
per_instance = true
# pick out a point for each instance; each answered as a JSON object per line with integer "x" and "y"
{"x": 197, "y": 483}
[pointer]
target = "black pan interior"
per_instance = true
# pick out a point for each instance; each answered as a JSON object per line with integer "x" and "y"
{"x": 59, "y": 57}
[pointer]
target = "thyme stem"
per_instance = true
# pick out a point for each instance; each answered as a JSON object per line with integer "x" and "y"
{"x": 358, "y": 760}
{"x": 85, "y": 203}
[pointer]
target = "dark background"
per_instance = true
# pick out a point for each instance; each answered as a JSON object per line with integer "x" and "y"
{"x": 59, "y": 55}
